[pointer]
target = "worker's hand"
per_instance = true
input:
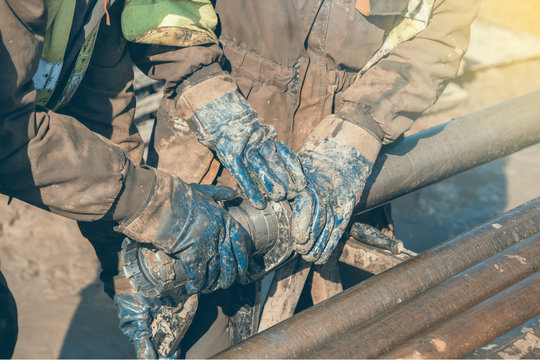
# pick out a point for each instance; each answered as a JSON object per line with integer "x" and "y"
{"x": 214, "y": 245}
{"x": 187, "y": 222}
{"x": 135, "y": 313}
{"x": 337, "y": 159}
{"x": 155, "y": 326}
{"x": 225, "y": 122}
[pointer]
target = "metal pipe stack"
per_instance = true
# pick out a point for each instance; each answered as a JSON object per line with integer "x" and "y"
{"x": 447, "y": 301}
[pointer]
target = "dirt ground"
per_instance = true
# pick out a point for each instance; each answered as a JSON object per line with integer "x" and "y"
{"x": 52, "y": 271}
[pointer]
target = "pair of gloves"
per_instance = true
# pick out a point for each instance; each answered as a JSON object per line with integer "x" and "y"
{"x": 323, "y": 182}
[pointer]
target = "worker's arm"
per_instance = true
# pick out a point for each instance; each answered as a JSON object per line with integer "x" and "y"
{"x": 48, "y": 159}
{"x": 382, "y": 104}
{"x": 398, "y": 88}
{"x": 105, "y": 100}
{"x": 207, "y": 98}
{"x": 54, "y": 162}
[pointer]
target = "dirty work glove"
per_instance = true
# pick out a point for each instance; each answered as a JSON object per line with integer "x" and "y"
{"x": 139, "y": 316}
{"x": 187, "y": 222}
{"x": 135, "y": 313}
{"x": 337, "y": 159}
{"x": 225, "y": 122}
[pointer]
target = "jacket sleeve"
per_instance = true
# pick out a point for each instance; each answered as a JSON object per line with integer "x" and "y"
{"x": 105, "y": 99}
{"x": 180, "y": 67}
{"x": 397, "y": 89}
{"x": 47, "y": 159}
{"x": 183, "y": 53}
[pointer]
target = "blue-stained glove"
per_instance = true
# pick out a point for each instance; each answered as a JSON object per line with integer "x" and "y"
{"x": 187, "y": 222}
{"x": 337, "y": 158}
{"x": 225, "y": 122}
{"x": 136, "y": 314}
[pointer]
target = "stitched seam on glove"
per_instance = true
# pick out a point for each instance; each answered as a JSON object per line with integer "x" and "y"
{"x": 202, "y": 94}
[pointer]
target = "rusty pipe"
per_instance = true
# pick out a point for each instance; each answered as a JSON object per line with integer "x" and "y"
{"x": 452, "y": 148}
{"x": 476, "y": 326}
{"x": 510, "y": 344}
{"x": 303, "y": 332}
{"x": 449, "y": 298}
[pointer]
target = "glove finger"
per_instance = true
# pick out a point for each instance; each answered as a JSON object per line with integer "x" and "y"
{"x": 323, "y": 238}
{"x": 135, "y": 319}
{"x": 227, "y": 263}
{"x": 133, "y": 313}
{"x": 201, "y": 276}
{"x": 302, "y": 218}
{"x": 294, "y": 167}
{"x": 212, "y": 273}
{"x": 336, "y": 235}
{"x": 144, "y": 349}
{"x": 213, "y": 270}
{"x": 246, "y": 183}
{"x": 309, "y": 219}
{"x": 194, "y": 286}
{"x": 269, "y": 152}
{"x": 239, "y": 240}
{"x": 320, "y": 215}
{"x": 195, "y": 280}
{"x": 265, "y": 175}
{"x": 217, "y": 192}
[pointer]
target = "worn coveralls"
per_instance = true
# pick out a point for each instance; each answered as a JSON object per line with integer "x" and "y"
{"x": 69, "y": 153}
{"x": 298, "y": 61}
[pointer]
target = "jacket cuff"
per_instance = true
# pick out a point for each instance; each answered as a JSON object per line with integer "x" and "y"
{"x": 137, "y": 187}
{"x": 342, "y": 131}
{"x": 360, "y": 116}
{"x": 155, "y": 220}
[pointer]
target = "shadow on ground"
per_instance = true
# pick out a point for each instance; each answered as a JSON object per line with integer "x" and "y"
{"x": 93, "y": 332}
{"x": 446, "y": 209}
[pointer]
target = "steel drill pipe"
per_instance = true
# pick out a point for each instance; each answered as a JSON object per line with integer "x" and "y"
{"x": 511, "y": 344}
{"x": 337, "y": 315}
{"x": 449, "y": 298}
{"x": 452, "y": 148}
{"x": 476, "y": 326}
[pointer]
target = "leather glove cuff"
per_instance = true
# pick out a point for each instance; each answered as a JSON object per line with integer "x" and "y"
{"x": 337, "y": 129}
{"x": 158, "y": 221}
{"x": 213, "y": 104}
{"x": 359, "y": 115}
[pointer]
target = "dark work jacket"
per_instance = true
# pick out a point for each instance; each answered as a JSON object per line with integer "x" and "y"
{"x": 77, "y": 160}
{"x": 297, "y": 61}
